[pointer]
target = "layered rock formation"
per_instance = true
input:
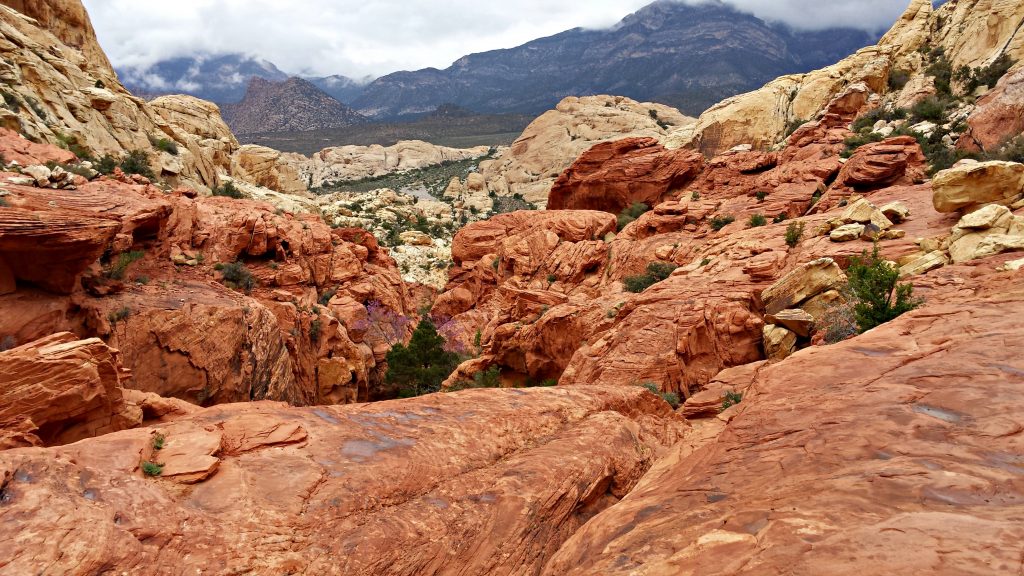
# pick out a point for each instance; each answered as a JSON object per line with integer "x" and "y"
{"x": 615, "y": 175}
{"x": 59, "y": 390}
{"x": 552, "y": 142}
{"x": 346, "y": 163}
{"x": 184, "y": 334}
{"x": 970, "y": 32}
{"x": 461, "y": 480}
{"x": 61, "y": 89}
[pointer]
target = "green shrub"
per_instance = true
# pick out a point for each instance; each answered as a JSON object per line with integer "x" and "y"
{"x": 673, "y": 399}
{"x": 236, "y": 275}
{"x": 761, "y": 195}
{"x": 228, "y": 190}
{"x": 652, "y": 387}
{"x": 158, "y": 442}
{"x": 152, "y": 468}
{"x": 119, "y": 315}
{"x": 731, "y": 398}
{"x": 656, "y": 272}
{"x": 100, "y": 84}
{"x": 3, "y": 202}
{"x": 105, "y": 165}
{"x": 326, "y": 297}
{"x": 1012, "y": 150}
{"x": 719, "y": 222}
{"x": 794, "y": 232}
{"x": 421, "y": 366}
{"x": 756, "y": 221}
{"x": 121, "y": 264}
{"x": 164, "y": 145}
{"x": 661, "y": 270}
{"x": 695, "y": 196}
{"x": 490, "y": 378}
{"x": 552, "y": 278}
{"x": 941, "y": 70}
{"x": 630, "y": 214}
{"x": 932, "y": 109}
{"x": 137, "y": 162}
{"x": 780, "y": 217}
{"x": 880, "y": 298}
{"x": 637, "y": 284}
{"x": 315, "y": 327}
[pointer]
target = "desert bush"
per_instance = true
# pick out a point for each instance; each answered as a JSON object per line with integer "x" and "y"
{"x": 164, "y": 145}
{"x": 731, "y": 398}
{"x": 236, "y": 275}
{"x": 794, "y": 125}
{"x": 628, "y": 215}
{"x": 137, "y": 162}
{"x": 880, "y": 298}
{"x": 854, "y": 142}
{"x": 105, "y": 165}
{"x": 656, "y": 272}
{"x": 119, "y": 315}
{"x": 158, "y": 441}
{"x": 898, "y": 79}
{"x": 838, "y": 322}
{"x": 932, "y": 109}
{"x": 152, "y": 468}
{"x": 794, "y": 232}
{"x": 120, "y": 265}
{"x": 719, "y": 222}
{"x": 756, "y": 221}
{"x": 315, "y": 328}
{"x": 421, "y": 366}
{"x": 228, "y": 190}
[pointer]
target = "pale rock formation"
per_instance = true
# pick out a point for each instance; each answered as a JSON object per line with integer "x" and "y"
{"x": 345, "y": 163}
{"x": 554, "y": 140}
{"x": 971, "y": 185}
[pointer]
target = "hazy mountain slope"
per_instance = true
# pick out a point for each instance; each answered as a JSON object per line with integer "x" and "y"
{"x": 686, "y": 56}
{"x": 292, "y": 105}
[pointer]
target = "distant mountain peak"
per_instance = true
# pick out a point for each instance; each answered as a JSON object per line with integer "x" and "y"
{"x": 292, "y": 105}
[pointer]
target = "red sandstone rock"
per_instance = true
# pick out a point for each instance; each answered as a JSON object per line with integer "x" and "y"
{"x": 999, "y": 115}
{"x": 892, "y": 446}
{"x": 59, "y": 390}
{"x": 892, "y": 162}
{"x": 444, "y": 483}
{"x": 15, "y": 148}
{"x": 614, "y": 175}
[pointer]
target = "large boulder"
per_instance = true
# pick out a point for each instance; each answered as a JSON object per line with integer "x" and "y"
{"x": 59, "y": 390}
{"x": 614, "y": 175}
{"x": 999, "y": 115}
{"x": 882, "y": 164}
{"x": 801, "y": 284}
{"x": 972, "y": 185}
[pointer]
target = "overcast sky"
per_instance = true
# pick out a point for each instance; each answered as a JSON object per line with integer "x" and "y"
{"x": 360, "y": 38}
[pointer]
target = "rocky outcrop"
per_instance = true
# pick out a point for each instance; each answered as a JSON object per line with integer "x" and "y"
{"x": 615, "y": 175}
{"x": 971, "y": 33}
{"x": 998, "y": 117}
{"x": 347, "y": 163}
{"x": 251, "y": 473}
{"x": 268, "y": 168}
{"x": 59, "y": 390}
{"x": 148, "y": 261}
{"x": 62, "y": 90}
{"x": 552, "y": 142}
{"x": 892, "y": 162}
{"x": 842, "y": 412}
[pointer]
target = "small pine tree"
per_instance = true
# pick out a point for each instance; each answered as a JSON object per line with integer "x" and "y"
{"x": 880, "y": 297}
{"x": 421, "y": 366}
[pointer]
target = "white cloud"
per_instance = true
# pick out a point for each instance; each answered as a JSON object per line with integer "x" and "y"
{"x": 373, "y": 37}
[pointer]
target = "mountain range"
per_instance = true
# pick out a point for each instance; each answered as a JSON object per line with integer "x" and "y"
{"x": 686, "y": 56}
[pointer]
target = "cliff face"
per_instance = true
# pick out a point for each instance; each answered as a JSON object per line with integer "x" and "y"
{"x": 60, "y": 89}
{"x": 970, "y": 32}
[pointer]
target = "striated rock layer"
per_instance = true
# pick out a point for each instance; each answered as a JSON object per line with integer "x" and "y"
{"x": 479, "y": 482}
{"x": 901, "y": 446}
